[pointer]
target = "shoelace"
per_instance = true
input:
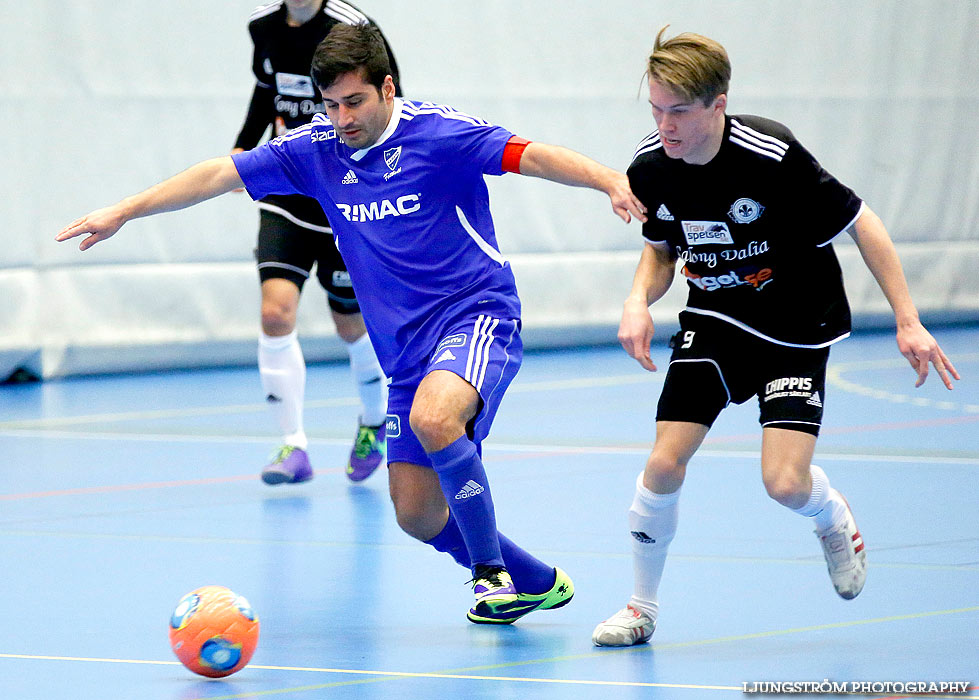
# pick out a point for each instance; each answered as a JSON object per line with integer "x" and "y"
{"x": 492, "y": 577}
{"x": 366, "y": 439}
{"x": 283, "y": 452}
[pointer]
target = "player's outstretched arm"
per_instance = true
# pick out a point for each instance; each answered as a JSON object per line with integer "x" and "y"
{"x": 913, "y": 339}
{"x": 563, "y": 165}
{"x": 194, "y": 185}
{"x": 653, "y": 277}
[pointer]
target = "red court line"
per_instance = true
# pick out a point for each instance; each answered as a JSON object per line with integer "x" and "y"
{"x": 859, "y": 428}
{"x": 125, "y": 487}
{"x": 88, "y": 490}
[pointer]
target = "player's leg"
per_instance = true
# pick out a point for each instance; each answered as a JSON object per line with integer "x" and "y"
{"x": 653, "y": 519}
{"x": 791, "y": 414}
{"x": 450, "y": 414}
{"x": 423, "y": 513}
{"x": 283, "y": 269}
{"x": 792, "y": 480}
{"x": 694, "y": 393}
{"x": 367, "y": 452}
{"x": 282, "y": 371}
{"x": 444, "y": 405}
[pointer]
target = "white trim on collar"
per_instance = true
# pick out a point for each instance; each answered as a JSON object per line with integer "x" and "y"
{"x": 388, "y": 130}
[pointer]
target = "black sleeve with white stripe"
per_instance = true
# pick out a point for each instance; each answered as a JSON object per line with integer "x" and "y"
{"x": 829, "y": 206}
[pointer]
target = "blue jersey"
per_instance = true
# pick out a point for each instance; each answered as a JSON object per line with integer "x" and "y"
{"x": 411, "y": 217}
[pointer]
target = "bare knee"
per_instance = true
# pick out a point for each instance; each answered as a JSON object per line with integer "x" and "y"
{"x": 434, "y": 426}
{"x": 350, "y": 327}
{"x": 277, "y": 320}
{"x": 419, "y": 505}
{"x": 418, "y": 520}
{"x": 664, "y": 473}
{"x": 280, "y": 302}
{"x": 787, "y": 486}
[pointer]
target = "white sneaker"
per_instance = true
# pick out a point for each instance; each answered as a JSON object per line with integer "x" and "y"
{"x": 627, "y": 627}
{"x": 846, "y": 558}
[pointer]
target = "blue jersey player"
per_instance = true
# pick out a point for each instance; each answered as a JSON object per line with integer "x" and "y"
{"x": 402, "y": 183}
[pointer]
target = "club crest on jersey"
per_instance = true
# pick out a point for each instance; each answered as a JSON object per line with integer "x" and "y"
{"x": 745, "y": 210}
{"x": 705, "y": 232}
{"x": 392, "y": 157}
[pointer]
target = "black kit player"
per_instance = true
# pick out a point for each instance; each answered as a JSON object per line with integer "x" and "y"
{"x": 294, "y": 234}
{"x": 750, "y": 215}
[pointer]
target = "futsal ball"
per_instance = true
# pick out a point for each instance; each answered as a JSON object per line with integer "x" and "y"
{"x": 213, "y": 631}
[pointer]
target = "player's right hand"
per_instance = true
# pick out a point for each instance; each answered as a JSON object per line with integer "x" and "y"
{"x": 636, "y": 333}
{"x": 97, "y": 226}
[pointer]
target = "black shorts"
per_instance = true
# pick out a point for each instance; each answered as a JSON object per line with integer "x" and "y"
{"x": 715, "y": 364}
{"x": 293, "y": 235}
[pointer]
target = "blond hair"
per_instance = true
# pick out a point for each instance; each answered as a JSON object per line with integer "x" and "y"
{"x": 690, "y": 65}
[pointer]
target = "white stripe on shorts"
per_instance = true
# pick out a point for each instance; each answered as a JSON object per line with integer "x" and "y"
{"x": 479, "y": 346}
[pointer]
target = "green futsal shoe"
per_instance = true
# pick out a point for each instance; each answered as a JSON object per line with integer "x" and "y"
{"x": 559, "y": 595}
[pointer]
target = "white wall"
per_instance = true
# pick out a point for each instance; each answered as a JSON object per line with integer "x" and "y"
{"x": 100, "y": 98}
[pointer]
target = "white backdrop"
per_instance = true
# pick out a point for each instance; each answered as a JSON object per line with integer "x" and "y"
{"x": 101, "y": 98}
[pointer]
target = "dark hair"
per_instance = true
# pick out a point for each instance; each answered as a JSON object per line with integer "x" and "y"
{"x": 350, "y": 48}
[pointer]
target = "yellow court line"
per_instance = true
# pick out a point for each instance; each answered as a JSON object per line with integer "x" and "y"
{"x": 459, "y": 675}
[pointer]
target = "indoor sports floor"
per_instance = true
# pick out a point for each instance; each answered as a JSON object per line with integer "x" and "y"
{"x": 122, "y": 493}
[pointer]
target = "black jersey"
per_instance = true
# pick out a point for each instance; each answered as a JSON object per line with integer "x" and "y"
{"x": 753, "y": 230}
{"x": 285, "y": 96}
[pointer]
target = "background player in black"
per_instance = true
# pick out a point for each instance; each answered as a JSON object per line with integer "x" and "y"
{"x": 750, "y": 214}
{"x": 294, "y": 233}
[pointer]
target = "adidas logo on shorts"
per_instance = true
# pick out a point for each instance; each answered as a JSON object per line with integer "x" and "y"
{"x": 447, "y": 355}
{"x": 663, "y": 213}
{"x": 814, "y": 400}
{"x": 468, "y": 490}
{"x": 350, "y": 178}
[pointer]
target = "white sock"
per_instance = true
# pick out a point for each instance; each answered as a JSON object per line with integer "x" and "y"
{"x": 825, "y": 505}
{"x": 370, "y": 380}
{"x": 652, "y": 524}
{"x": 283, "y": 372}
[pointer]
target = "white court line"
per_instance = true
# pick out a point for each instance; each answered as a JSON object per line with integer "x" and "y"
{"x": 388, "y": 674}
{"x": 834, "y": 376}
{"x": 458, "y": 674}
{"x": 120, "y": 416}
{"x": 491, "y": 447}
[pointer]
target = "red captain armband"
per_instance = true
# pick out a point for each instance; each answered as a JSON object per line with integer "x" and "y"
{"x": 512, "y": 153}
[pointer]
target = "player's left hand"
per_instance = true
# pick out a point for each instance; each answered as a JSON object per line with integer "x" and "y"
{"x": 96, "y": 226}
{"x": 624, "y": 203}
{"x": 920, "y": 348}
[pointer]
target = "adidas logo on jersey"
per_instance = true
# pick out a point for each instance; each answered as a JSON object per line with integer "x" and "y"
{"x": 447, "y": 355}
{"x": 468, "y": 490}
{"x": 349, "y": 179}
{"x": 663, "y": 213}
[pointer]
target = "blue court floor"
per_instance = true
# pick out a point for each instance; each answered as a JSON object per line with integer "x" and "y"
{"x": 122, "y": 493}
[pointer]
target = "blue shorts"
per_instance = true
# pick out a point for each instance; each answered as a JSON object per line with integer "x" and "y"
{"x": 485, "y": 351}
